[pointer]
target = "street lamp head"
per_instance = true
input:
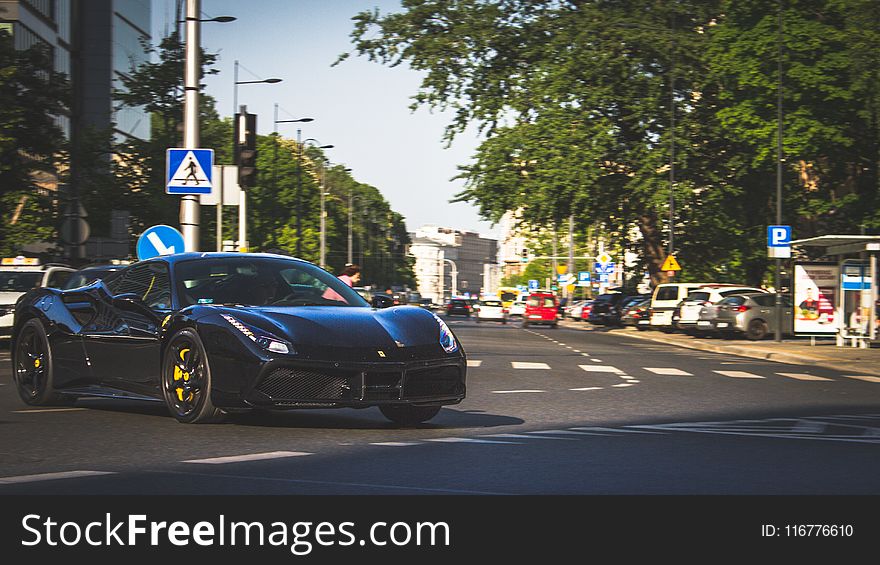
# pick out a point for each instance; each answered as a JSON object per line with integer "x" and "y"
{"x": 218, "y": 19}
{"x": 272, "y": 80}
{"x": 294, "y": 121}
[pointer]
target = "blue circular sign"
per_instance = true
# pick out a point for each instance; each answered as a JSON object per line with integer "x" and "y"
{"x": 159, "y": 240}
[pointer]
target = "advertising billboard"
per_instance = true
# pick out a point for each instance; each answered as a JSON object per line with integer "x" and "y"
{"x": 815, "y": 288}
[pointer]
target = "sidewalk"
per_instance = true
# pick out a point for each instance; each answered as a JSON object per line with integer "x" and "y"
{"x": 825, "y": 353}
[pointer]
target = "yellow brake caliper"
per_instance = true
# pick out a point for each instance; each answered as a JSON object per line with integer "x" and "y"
{"x": 180, "y": 374}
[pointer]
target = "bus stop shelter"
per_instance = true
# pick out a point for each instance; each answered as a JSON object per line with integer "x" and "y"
{"x": 856, "y": 299}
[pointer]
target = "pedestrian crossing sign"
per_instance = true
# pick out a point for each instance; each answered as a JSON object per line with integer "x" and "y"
{"x": 188, "y": 171}
{"x": 670, "y": 264}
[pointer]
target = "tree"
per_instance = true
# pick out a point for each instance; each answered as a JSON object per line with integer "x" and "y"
{"x": 32, "y": 145}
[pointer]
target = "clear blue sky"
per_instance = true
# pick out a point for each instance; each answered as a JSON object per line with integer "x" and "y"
{"x": 359, "y": 107}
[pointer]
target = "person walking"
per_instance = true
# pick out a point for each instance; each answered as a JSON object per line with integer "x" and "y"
{"x": 351, "y": 276}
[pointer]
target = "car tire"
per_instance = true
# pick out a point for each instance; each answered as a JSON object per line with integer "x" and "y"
{"x": 408, "y": 415}
{"x": 32, "y": 367}
{"x": 186, "y": 362}
{"x": 525, "y": 324}
{"x": 757, "y": 330}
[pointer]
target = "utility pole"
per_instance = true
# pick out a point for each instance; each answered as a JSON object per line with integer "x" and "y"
{"x": 189, "y": 203}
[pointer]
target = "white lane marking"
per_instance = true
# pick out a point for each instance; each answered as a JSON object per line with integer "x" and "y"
{"x": 616, "y": 430}
{"x": 474, "y": 362}
{"x": 622, "y": 385}
{"x": 48, "y": 410}
{"x": 51, "y": 476}
{"x": 864, "y": 378}
{"x": 627, "y": 378}
{"x": 577, "y": 351}
{"x": 248, "y": 457}
{"x": 528, "y": 365}
{"x": 523, "y": 436}
{"x": 809, "y": 427}
{"x": 596, "y": 360}
{"x": 555, "y": 432}
{"x": 803, "y": 377}
{"x": 570, "y": 347}
{"x": 396, "y": 443}
{"x": 587, "y": 388}
{"x": 600, "y": 369}
{"x": 585, "y": 354}
{"x": 468, "y": 440}
{"x": 739, "y": 374}
{"x": 515, "y": 391}
{"x": 668, "y": 371}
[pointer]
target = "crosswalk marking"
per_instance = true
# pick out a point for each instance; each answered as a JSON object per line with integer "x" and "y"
{"x": 616, "y": 430}
{"x": 668, "y": 371}
{"x": 523, "y": 436}
{"x": 596, "y": 360}
{"x": 803, "y": 377}
{"x": 515, "y": 391}
{"x": 739, "y": 375}
{"x": 247, "y": 457}
{"x": 587, "y": 388}
{"x": 528, "y": 365}
{"x": 50, "y": 476}
{"x": 474, "y": 362}
{"x": 600, "y": 369}
{"x": 864, "y": 378}
{"x": 621, "y": 385}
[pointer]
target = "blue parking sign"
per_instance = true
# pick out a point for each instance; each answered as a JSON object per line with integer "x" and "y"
{"x": 778, "y": 236}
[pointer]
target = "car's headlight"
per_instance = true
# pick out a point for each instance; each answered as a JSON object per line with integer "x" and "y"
{"x": 447, "y": 340}
{"x": 261, "y": 338}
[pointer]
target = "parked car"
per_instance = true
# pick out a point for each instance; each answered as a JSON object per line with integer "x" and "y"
{"x": 605, "y": 310}
{"x": 637, "y": 314}
{"x": 459, "y": 307}
{"x": 687, "y": 313}
{"x": 518, "y": 306}
{"x": 19, "y": 275}
{"x": 665, "y": 299}
{"x": 492, "y": 309}
{"x": 541, "y": 308}
{"x": 586, "y": 308}
{"x": 753, "y": 315}
{"x": 574, "y": 312}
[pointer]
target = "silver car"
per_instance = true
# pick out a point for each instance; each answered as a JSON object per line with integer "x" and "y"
{"x": 753, "y": 315}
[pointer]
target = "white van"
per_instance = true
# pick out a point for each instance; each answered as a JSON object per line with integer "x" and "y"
{"x": 665, "y": 298}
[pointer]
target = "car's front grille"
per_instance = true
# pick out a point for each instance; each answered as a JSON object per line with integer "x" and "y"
{"x": 300, "y": 384}
{"x": 435, "y": 381}
{"x": 382, "y": 385}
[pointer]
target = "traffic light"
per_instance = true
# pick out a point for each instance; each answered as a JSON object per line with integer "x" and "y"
{"x": 246, "y": 148}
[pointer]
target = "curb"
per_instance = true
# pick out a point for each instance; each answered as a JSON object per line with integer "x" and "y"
{"x": 777, "y": 356}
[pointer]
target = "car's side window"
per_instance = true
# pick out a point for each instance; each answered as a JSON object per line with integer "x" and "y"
{"x": 149, "y": 281}
{"x": 57, "y": 278}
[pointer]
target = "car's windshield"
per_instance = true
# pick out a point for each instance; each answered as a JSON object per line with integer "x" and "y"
{"x": 82, "y": 278}
{"x": 260, "y": 281}
{"x": 19, "y": 281}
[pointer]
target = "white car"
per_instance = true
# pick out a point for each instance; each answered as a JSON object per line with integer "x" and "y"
{"x": 20, "y": 274}
{"x": 518, "y": 308}
{"x": 687, "y": 316}
{"x": 492, "y": 310}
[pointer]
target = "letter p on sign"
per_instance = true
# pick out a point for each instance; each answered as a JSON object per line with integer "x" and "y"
{"x": 779, "y": 242}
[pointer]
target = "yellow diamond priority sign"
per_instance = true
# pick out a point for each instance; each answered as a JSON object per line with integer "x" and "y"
{"x": 670, "y": 264}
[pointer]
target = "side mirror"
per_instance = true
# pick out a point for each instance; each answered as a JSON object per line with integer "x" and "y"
{"x": 382, "y": 301}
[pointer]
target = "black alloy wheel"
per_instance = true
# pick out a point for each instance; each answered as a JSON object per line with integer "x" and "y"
{"x": 186, "y": 379}
{"x": 32, "y": 366}
{"x": 757, "y": 330}
{"x": 408, "y": 415}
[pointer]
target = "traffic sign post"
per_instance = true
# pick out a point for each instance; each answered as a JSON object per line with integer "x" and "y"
{"x": 533, "y": 284}
{"x": 189, "y": 171}
{"x": 779, "y": 242}
{"x": 159, "y": 240}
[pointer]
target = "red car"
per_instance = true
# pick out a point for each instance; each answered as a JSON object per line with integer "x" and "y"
{"x": 585, "y": 311}
{"x": 541, "y": 308}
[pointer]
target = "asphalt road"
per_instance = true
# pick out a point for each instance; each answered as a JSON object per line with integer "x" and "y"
{"x": 549, "y": 411}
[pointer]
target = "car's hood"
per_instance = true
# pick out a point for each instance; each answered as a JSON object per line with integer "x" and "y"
{"x": 339, "y": 326}
{"x": 10, "y": 297}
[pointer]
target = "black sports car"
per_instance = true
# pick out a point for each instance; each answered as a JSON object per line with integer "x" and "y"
{"x": 214, "y": 332}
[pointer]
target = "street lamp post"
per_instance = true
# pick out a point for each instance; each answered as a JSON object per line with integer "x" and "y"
{"x": 300, "y": 148}
{"x": 778, "y": 279}
{"x": 242, "y": 197}
{"x": 275, "y": 148}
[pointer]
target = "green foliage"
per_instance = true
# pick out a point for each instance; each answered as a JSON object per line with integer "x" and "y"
{"x": 576, "y": 100}
{"x": 32, "y": 145}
